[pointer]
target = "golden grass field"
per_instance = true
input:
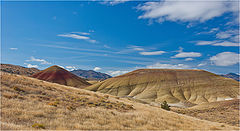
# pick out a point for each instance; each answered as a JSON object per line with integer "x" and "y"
{"x": 173, "y": 85}
{"x": 29, "y": 103}
{"x": 221, "y": 111}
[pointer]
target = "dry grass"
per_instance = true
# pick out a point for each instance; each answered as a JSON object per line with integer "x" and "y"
{"x": 221, "y": 111}
{"x": 14, "y": 69}
{"x": 28, "y": 103}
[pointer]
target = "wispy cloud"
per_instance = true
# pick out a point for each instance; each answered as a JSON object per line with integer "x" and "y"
{"x": 13, "y": 48}
{"x": 79, "y": 36}
{"x": 186, "y": 11}
{"x": 167, "y": 66}
{"x": 42, "y": 61}
{"x": 117, "y": 72}
{"x": 189, "y": 59}
{"x": 227, "y": 34}
{"x": 225, "y": 59}
{"x": 113, "y": 2}
{"x": 182, "y": 54}
{"x": 136, "y": 48}
{"x": 70, "y": 68}
{"x": 201, "y": 64}
{"x": 31, "y": 66}
{"x": 152, "y": 53}
{"x": 97, "y": 68}
{"x": 217, "y": 43}
{"x": 213, "y": 30}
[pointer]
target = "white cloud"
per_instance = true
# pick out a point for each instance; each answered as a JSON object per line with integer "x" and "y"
{"x": 61, "y": 66}
{"x": 152, "y": 53}
{"x": 116, "y": 73}
{"x": 137, "y": 48}
{"x": 226, "y": 43}
{"x": 75, "y": 36}
{"x": 167, "y": 66}
{"x": 106, "y": 46}
{"x": 81, "y": 33}
{"x": 79, "y": 36}
{"x": 113, "y": 2}
{"x": 226, "y": 34}
{"x": 70, "y": 68}
{"x": 189, "y": 59}
{"x": 186, "y": 11}
{"x": 213, "y": 30}
{"x": 187, "y": 54}
{"x": 217, "y": 43}
{"x": 13, "y": 48}
{"x": 225, "y": 59}
{"x": 31, "y": 66}
{"x": 202, "y": 64}
{"x": 97, "y": 68}
{"x": 42, "y": 61}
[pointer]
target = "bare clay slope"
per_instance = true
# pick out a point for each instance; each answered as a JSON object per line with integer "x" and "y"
{"x": 59, "y": 75}
{"x": 173, "y": 85}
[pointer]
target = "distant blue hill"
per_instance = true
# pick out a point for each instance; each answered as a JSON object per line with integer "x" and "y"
{"x": 91, "y": 75}
{"x": 232, "y": 76}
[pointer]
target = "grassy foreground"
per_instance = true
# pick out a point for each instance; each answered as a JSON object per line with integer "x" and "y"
{"x": 28, "y": 103}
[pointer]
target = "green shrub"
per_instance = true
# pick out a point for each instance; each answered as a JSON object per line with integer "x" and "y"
{"x": 165, "y": 106}
{"x": 38, "y": 126}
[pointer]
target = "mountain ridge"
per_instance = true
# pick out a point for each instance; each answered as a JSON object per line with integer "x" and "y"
{"x": 91, "y": 74}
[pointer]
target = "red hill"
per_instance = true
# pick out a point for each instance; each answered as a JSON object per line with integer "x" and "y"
{"x": 59, "y": 75}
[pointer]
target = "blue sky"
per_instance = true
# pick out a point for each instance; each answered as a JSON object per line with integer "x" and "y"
{"x": 120, "y": 36}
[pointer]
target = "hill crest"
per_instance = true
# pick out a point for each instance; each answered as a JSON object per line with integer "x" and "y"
{"x": 173, "y": 85}
{"x": 59, "y": 75}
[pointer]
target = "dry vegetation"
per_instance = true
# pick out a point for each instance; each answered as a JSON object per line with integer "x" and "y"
{"x": 28, "y": 103}
{"x": 221, "y": 111}
{"x": 14, "y": 69}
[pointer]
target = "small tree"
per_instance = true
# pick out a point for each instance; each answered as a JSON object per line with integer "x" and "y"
{"x": 165, "y": 106}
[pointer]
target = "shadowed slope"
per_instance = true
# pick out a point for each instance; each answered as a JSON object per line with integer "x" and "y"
{"x": 61, "y": 76}
{"x": 173, "y": 85}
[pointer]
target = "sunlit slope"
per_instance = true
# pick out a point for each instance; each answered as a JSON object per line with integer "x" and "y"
{"x": 29, "y": 103}
{"x": 220, "y": 111}
{"x": 172, "y": 85}
{"x": 59, "y": 75}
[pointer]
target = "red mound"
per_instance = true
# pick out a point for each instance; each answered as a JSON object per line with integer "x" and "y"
{"x": 59, "y": 75}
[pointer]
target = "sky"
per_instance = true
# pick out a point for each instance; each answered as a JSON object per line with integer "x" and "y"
{"x": 119, "y": 36}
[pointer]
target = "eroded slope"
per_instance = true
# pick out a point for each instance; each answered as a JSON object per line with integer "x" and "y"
{"x": 59, "y": 75}
{"x": 173, "y": 85}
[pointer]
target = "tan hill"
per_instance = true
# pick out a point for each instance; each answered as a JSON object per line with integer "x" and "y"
{"x": 14, "y": 69}
{"x": 93, "y": 81}
{"x": 221, "y": 111}
{"x": 29, "y": 103}
{"x": 59, "y": 75}
{"x": 176, "y": 86}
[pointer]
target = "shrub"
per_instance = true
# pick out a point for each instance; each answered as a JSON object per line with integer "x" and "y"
{"x": 165, "y": 106}
{"x": 38, "y": 126}
{"x": 18, "y": 89}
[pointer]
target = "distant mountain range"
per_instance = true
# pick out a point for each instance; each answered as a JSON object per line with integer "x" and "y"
{"x": 91, "y": 75}
{"x": 232, "y": 76}
{"x": 86, "y": 74}
{"x": 15, "y": 69}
